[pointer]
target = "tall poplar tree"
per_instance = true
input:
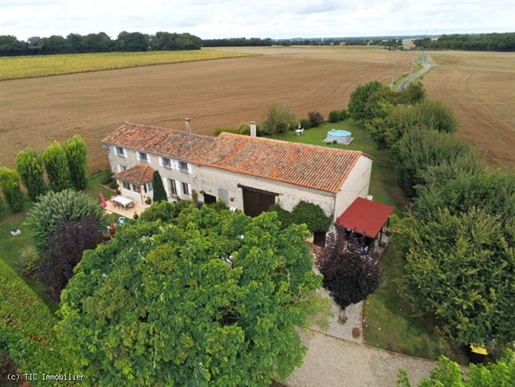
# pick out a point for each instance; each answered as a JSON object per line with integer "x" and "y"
{"x": 76, "y": 155}
{"x": 30, "y": 167}
{"x": 10, "y": 183}
{"x": 56, "y": 167}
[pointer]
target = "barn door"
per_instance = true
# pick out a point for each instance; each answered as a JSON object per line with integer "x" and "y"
{"x": 256, "y": 201}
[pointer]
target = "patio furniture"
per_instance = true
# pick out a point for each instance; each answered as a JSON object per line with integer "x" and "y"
{"x": 122, "y": 201}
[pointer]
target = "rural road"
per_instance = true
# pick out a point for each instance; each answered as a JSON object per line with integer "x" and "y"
{"x": 426, "y": 66}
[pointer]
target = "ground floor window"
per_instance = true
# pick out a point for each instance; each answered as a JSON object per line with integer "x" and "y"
{"x": 185, "y": 189}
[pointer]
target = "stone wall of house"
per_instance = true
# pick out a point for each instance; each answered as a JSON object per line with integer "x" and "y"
{"x": 224, "y": 184}
{"x": 356, "y": 185}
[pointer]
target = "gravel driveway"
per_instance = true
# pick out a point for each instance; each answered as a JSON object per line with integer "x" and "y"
{"x": 331, "y": 361}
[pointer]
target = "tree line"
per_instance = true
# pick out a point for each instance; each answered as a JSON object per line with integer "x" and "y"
{"x": 458, "y": 234}
{"x": 482, "y": 42}
{"x": 98, "y": 42}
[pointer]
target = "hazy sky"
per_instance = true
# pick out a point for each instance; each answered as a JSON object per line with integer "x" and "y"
{"x": 264, "y": 18}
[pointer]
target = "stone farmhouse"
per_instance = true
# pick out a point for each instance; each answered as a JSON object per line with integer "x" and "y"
{"x": 248, "y": 173}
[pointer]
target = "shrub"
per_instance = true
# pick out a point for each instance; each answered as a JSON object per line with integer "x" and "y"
{"x": 113, "y": 184}
{"x": 312, "y": 215}
{"x": 278, "y": 119}
{"x": 28, "y": 260}
{"x": 244, "y": 129}
{"x": 106, "y": 177}
{"x": 305, "y": 123}
{"x": 284, "y": 216}
{"x": 334, "y": 116}
{"x": 344, "y": 114}
{"x": 315, "y": 118}
{"x": 10, "y": 184}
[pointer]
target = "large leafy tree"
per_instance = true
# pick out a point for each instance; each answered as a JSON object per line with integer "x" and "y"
{"x": 56, "y": 166}
{"x": 159, "y": 189}
{"x": 76, "y": 156}
{"x": 30, "y": 167}
{"x": 278, "y": 119}
{"x": 461, "y": 269}
{"x": 54, "y": 208}
{"x": 359, "y": 102}
{"x": 211, "y": 299}
{"x": 349, "y": 276}
{"x": 10, "y": 184}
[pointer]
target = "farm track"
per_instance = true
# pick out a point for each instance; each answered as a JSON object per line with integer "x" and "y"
{"x": 218, "y": 93}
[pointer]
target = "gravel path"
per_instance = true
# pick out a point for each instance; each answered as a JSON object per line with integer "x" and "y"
{"x": 331, "y": 361}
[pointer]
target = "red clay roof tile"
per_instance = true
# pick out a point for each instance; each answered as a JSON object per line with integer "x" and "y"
{"x": 140, "y": 174}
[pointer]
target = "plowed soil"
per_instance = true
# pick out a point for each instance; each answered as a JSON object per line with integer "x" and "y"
{"x": 480, "y": 87}
{"x": 218, "y": 93}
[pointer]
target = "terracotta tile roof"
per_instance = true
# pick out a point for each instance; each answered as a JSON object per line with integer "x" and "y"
{"x": 171, "y": 143}
{"x": 310, "y": 166}
{"x": 140, "y": 174}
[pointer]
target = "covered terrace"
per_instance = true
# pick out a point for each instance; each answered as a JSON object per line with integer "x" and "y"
{"x": 368, "y": 221}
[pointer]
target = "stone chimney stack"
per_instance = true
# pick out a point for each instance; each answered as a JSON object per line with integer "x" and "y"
{"x": 253, "y": 130}
{"x": 188, "y": 126}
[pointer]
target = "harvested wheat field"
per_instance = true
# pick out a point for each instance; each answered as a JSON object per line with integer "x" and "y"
{"x": 217, "y": 93}
{"x": 480, "y": 87}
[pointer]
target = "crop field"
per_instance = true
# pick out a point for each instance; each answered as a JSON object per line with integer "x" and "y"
{"x": 215, "y": 93}
{"x": 46, "y": 65}
{"x": 480, "y": 87}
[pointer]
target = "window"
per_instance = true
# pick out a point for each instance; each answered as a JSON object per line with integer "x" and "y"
{"x": 135, "y": 188}
{"x": 167, "y": 163}
{"x": 143, "y": 156}
{"x": 173, "y": 187}
{"x": 185, "y": 189}
{"x": 120, "y": 151}
{"x": 121, "y": 168}
{"x": 148, "y": 187}
{"x": 126, "y": 185}
{"x": 183, "y": 166}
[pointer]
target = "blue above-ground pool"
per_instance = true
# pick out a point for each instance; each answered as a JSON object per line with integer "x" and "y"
{"x": 340, "y": 136}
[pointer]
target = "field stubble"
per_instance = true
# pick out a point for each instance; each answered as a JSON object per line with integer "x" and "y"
{"x": 480, "y": 87}
{"x": 217, "y": 93}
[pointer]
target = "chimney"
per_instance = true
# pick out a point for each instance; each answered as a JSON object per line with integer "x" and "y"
{"x": 188, "y": 126}
{"x": 253, "y": 130}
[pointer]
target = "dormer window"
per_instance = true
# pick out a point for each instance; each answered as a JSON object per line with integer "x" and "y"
{"x": 143, "y": 156}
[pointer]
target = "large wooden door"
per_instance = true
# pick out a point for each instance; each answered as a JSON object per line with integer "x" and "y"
{"x": 256, "y": 201}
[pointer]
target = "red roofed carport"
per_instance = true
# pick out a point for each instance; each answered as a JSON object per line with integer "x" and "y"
{"x": 365, "y": 217}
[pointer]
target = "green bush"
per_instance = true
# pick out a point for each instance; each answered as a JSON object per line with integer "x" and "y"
{"x": 334, "y": 116}
{"x": 312, "y": 215}
{"x": 113, "y": 184}
{"x": 305, "y": 123}
{"x": 106, "y": 177}
{"x": 344, "y": 114}
{"x": 28, "y": 260}
{"x": 315, "y": 118}
{"x": 285, "y": 217}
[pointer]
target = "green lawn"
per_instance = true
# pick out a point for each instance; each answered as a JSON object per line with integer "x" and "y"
{"x": 388, "y": 322}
